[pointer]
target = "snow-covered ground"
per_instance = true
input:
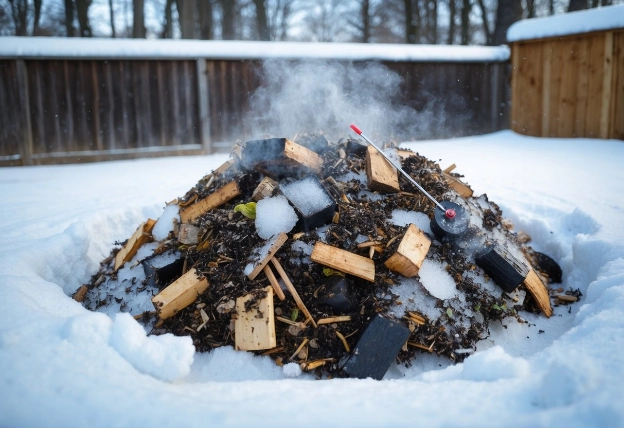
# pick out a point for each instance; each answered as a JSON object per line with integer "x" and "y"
{"x": 62, "y": 365}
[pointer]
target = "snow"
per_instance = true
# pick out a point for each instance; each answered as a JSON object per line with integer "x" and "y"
{"x": 436, "y": 280}
{"x": 307, "y": 195}
{"x": 274, "y": 215}
{"x": 164, "y": 224}
{"x": 566, "y": 24}
{"x": 105, "y": 48}
{"x": 73, "y": 365}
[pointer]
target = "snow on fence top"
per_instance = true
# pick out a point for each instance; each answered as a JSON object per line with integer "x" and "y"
{"x": 585, "y": 21}
{"x": 94, "y": 48}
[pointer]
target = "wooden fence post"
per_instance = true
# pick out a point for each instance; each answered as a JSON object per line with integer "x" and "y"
{"x": 27, "y": 138}
{"x": 203, "y": 94}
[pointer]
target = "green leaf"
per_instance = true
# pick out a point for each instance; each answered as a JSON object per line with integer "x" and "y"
{"x": 294, "y": 314}
{"x": 478, "y": 307}
{"x": 495, "y": 306}
{"x": 449, "y": 312}
{"x": 329, "y": 272}
{"x": 248, "y": 209}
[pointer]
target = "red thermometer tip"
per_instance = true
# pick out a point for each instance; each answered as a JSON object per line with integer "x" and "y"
{"x": 450, "y": 213}
{"x": 356, "y": 129}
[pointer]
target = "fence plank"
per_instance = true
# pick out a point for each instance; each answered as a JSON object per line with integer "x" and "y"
{"x": 607, "y": 90}
{"x": 27, "y": 143}
{"x": 617, "y": 130}
{"x": 203, "y": 94}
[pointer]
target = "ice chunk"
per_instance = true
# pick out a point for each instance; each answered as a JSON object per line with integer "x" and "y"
{"x": 165, "y": 222}
{"x": 307, "y": 195}
{"x": 274, "y": 215}
{"x": 436, "y": 280}
{"x": 292, "y": 370}
{"x": 420, "y": 220}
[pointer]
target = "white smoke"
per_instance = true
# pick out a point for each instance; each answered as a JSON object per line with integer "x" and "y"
{"x": 326, "y": 97}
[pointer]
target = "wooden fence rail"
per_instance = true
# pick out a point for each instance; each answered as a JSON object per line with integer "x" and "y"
{"x": 63, "y": 108}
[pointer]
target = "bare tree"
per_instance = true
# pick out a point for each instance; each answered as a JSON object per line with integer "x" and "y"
{"x": 167, "y": 31}
{"x": 37, "y": 17}
{"x": 82, "y": 11}
{"x": 363, "y": 24}
{"x": 69, "y": 18}
{"x": 577, "y": 5}
{"x": 228, "y": 8}
{"x": 261, "y": 20}
{"x": 186, "y": 14}
{"x": 412, "y": 21}
{"x": 138, "y": 13}
{"x": 206, "y": 23}
{"x": 279, "y": 13}
{"x": 19, "y": 13}
{"x": 431, "y": 21}
{"x": 325, "y": 20}
{"x": 465, "y": 21}
{"x": 486, "y": 23}
{"x": 507, "y": 12}
{"x": 451, "y": 29}
{"x": 111, "y": 14}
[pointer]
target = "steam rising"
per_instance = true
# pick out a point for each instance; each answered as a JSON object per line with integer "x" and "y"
{"x": 320, "y": 96}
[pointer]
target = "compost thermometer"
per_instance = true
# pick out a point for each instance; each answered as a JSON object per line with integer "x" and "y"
{"x": 448, "y": 213}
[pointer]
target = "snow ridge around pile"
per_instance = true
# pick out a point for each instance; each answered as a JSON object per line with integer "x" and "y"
{"x": 74, "y": 365}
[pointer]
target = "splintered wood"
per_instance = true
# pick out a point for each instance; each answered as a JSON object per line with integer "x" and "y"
{"x": 179, "y": 294}
{"x": 303, "y": 156}
{"x": 265, "y": 189}
{"x": 141, "y": 236}
{"x": 411, "y": 253}
{"x": 537, "y": 288}
{"x": 459, "y": 186}
{"x": 344, "y": 261}
{"x": 266, "y": 253}
{"x": 254, "y": 328}
{"x": 215, "y": 199}
{"x": 382, "y": 176}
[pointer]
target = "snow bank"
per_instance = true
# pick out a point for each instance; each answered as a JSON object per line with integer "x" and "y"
{"x": 566, "y": 24}
{"x": 105, "y": 48}
{"x": 73, "y": 365}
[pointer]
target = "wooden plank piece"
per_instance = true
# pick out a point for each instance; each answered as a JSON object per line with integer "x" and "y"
{"x": 382, "y": 176}
{"x": 263, "y": 254}
{"x": 293, "y": 290}
{"x": 276, "y": 287}
{"x": 344, "y": 261}
{"x": 179, "y": 294}
{"x": 411, "y": 253}
{"x": 215, "y": 199}
{"x": 537, "y": 288}
{"x": 460, "y": 187}
{"x": 141, "y": 236}
{"x": 254, "y": 329}
{"x": 265, "y": 189}
{"x": 303, "y": 156}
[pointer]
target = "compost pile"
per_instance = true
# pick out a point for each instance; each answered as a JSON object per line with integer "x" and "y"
{"x": 214, "y": 230}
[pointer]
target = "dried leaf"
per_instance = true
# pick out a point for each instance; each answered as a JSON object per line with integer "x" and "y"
{"x": 329, "y": 272}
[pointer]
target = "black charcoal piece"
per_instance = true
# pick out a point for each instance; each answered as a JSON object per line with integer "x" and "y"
{"x": 258, "y": 151}
{"x": 549, "y": 266}
{"x": 336, "y": 293}
{"x": 449, "y": 228}
{"x": 507, "y": 271}
{"x": 162, "y": 269}
{"x": 377, "y": 349}
{"x": 317, "y": 144}
{"x": 314, "y": 205}
{"x": 357, "y": 149}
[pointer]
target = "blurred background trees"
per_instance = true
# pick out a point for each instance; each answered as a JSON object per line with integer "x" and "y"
{"x": 365, "y": 21}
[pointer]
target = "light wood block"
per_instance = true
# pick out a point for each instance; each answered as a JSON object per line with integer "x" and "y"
{"x": 537, "y": 288}
{"x": 141, "y": 236}
{"x": 179, "y": 294}
{"x": 382, "y": 176}
{"x": 215, "y": 199}
{"x": 460, "y": 187}
{"x": 188, "y": 234}
{"x": 265, "y": 189}
{"x": 254, "y": 330}
{"x": 303, "y": 156}
{"x": 411, "y": 253}
{"x": 261, "y": 256}
{"x": 344, "y": 261}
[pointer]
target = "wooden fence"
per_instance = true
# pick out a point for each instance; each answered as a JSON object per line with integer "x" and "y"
{"x": 68, "y": 109}
{"x": 570, "y": 86}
